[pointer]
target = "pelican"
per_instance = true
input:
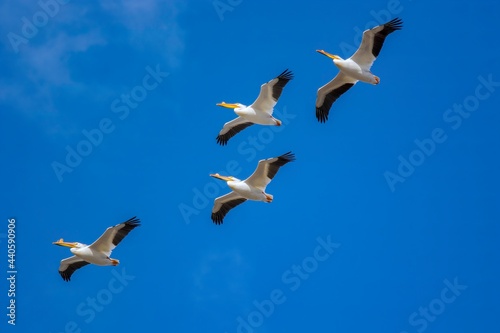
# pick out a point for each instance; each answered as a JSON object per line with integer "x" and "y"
{"x": 259, "y": 112}
{"x": 252, "y": 188}
{"x": 354, "y": 69}
{"x": 96, "y": 253}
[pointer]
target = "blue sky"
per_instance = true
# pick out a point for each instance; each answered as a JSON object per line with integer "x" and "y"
{"x": 386, "y": 222}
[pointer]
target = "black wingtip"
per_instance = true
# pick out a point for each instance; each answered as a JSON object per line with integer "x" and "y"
{"x": 286, "y": 75}
{"x": 321, "y": 116}
{"x": 217, "y": 218}
{"x": 221, "y": 140}
{"x": 65, "y": 276}
{"x": 287, "y": 157}
{"x": 395, "y": 24}
{"x": 133, "y": 222}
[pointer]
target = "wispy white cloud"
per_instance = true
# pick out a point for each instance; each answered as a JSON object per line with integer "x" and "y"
{"x": 135, "y": 15}
{"x": 43, "y": 66}
{"x": 207, "y": 277}
{"x": 48, "y": 62}
{"x": 152, "y": 23}
{"x": 41, "y": 70}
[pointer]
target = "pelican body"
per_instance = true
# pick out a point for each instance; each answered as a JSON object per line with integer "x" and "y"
{"x": 252, "y": 114}
{"x": 96, "y": 253}
{"x": 252, "y": 188}
{"x": 259, "y": 112}
{"x": 90, "y": 255}
{"x": 246, "y": 190}
{"x": 354, "y": 69}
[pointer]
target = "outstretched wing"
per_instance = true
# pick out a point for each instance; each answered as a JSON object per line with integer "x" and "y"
{"x": 114, "y": 235}
{"x": 267, "y": 169}
{"x": 329, "y": 93}
{"x": 232, "y": 128}
{"x": 271, "y": 91}
{"x": 69, "y": 266}
{"x": 223, "y": 204}
{"x": 372, "y": 42}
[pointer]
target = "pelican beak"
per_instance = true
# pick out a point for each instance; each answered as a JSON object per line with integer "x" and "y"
{"x": 228, "y": 105}
{"x": 63, "y": 243}
{"x": 216, "y": 175}
{"x": 331, "y": 56}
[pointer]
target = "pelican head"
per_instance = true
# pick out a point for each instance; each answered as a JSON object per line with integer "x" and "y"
{"x": 231, "y": 105}
{"x": 61, "y": 242}
{"x": 329, "y": 55}
{"x": 224, "y": 178}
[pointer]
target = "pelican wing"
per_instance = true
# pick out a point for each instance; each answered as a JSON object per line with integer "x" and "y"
{"x": 271, "y": 91}
{"x": 372, "y": 42}
{"x": 267, "y": 169}
{"x": 114, "y": 235}
{"x": 223, "y": 204}
{"x": 232, "y": 128}
{"x": 329, "y": 93}
{"x": 69, "y": 266}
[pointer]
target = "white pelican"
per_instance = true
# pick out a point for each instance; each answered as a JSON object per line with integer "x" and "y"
{"x": 96, "y": 253}
{"x": 354, "y": 69}
{"x": 252, "y": 188}
{"x": 259, "y": 112}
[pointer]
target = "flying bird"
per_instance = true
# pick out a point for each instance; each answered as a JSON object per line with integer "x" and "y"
{"x": 252, "y": 188}
{"x": 96, "y": 253}
{"x": 354, "y": 69}
{"x": 259, "y": 112}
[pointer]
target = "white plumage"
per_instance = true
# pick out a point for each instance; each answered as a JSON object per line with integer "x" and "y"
{"x": 354, "y": 69}
{"x": 252, "y": 188}
{"x": 259, "y": 112}
{"x": 96, "y": 253}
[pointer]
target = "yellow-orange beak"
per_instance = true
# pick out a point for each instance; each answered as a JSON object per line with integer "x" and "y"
{"x": 216, "y": 175}
{"x": 329, "y": 55}
{"x": 228, "y": 105}
{"x": 63, "y": 243}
